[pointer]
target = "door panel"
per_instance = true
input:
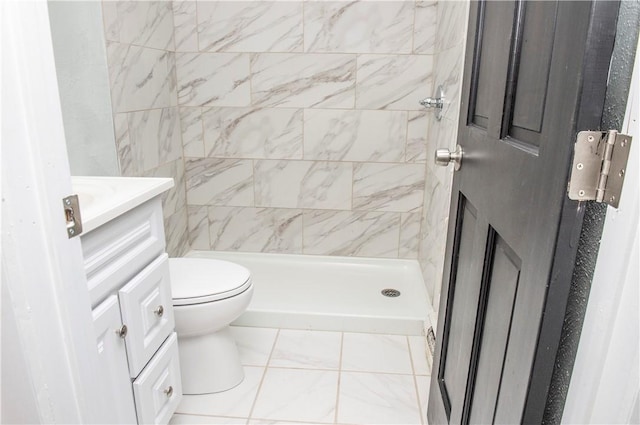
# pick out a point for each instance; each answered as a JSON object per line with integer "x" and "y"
{"x": 501, "y": 288}
{"x": 489, "y": 60}
{"x": 531, "y": 63}
{"x": 525, "y": 89}
{"x": 462, "y": 311}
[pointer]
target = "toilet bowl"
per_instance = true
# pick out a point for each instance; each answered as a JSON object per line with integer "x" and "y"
{"x": 207, "y": 296}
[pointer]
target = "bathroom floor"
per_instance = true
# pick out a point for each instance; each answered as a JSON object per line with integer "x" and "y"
{"x": 319, "y": 377}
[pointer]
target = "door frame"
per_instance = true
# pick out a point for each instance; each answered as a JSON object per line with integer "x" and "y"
{"x": 49, "y": 347}
{"x": 604, "y": 386}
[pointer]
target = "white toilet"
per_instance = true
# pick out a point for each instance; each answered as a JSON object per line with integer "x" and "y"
{"x": 207, "y": 296}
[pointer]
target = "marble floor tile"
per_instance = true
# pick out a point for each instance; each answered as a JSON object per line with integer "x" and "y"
{"x": 179, "y": 419}
{"x": 307, "y": 349}
{"x": 417, "y": 345}
{"x": 369, "y": 398}
{"x": 235, "y": 402}
{"x": 297, "y": 395}
{"x": 376, "y": 353}
{"x": 254, "y": 344}
{"x": 423, "y": 383}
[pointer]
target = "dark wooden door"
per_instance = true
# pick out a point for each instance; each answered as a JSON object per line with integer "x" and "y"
{"x": 535, "y": 74}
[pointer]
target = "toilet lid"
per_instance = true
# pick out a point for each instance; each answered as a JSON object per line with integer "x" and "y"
{"x": 199, "y": 280}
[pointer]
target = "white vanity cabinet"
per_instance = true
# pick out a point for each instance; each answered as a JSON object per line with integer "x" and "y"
{"x": 128, "y": 277}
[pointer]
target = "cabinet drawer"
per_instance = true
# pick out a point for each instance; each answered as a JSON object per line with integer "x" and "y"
{"x": 115, "y": 252}
{"x": 158, "y": 389}
{"x": 147, "y": 310}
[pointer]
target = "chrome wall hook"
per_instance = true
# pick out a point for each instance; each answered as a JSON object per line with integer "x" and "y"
{"x": 436, "y": 103}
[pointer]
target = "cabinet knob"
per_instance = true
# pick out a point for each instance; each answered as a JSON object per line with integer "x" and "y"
{"x": 169, "y": 391}
{"x": 159, "y": 311}
{"x": 122, "y": 332}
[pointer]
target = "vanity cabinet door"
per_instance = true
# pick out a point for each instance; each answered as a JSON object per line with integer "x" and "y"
{"x": 147, "y": 310}
{"x": 115, "y": 383}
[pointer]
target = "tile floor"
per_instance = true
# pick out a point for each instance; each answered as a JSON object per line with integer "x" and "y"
{"x": 294, "y": 376}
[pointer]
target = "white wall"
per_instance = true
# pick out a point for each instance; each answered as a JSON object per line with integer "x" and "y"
{"x": 83, "y": 81}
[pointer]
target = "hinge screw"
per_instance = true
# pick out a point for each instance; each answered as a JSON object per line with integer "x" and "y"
{"x": 591, "y": 138}
{"x": 621, "y": 173}
{"x": 623, "y": 143}
{"x": 72, "y": 232}
{"x": 580, "y": 166}
{"x": 581, "y": 193}
{"x": 612, "y": 199}
{"x": 67, "y": 201}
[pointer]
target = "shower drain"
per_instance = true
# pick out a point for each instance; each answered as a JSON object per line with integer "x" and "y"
{"x": 390, "y": 293}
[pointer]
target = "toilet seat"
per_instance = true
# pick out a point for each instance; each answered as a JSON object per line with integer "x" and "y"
{"x": 200, "y": 280}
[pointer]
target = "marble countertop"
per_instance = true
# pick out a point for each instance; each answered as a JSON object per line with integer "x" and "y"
{"x": 104, "y": 198}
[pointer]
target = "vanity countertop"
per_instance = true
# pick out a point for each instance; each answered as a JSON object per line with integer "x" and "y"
{"x": 104, "y": 198}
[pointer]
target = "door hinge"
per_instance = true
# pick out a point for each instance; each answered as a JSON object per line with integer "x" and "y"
{"x": 599, "y": 166}
{"x": 72, "y": 215}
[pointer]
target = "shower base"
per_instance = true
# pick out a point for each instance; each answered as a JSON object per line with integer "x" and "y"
{"x": 332, "y": 293}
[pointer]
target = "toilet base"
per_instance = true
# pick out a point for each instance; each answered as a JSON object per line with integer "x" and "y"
{"x": 209, "y": 363}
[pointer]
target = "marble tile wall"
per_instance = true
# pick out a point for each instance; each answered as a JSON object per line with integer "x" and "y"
{"x": 141, "y": 62}
{"x": 300, "y": 122}
{"x": 449, "y": 40}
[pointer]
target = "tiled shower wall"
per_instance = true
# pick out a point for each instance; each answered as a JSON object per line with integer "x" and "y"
{"x": 301, "y": 127}
{"x": 141, "y": 61}
{"x": 450, "y": 39}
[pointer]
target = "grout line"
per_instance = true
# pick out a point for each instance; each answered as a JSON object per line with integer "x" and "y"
{"x": 290, "y": 421}
{"x": 337, "y": 370}
{"x": 415, "y": 382}
{"x": 337, "y": 161}
{"x": 204, "y": 415}
{"x": 413, "y": 32}
{"x": 284, "y": 52}
{"x": 253, "y": 183}
{"x": 251, "y": 93}
{"x": 353, "y": 183}
{"x": 202, "y": 135}
{"x": 309, "y": 107}
{"x": 197, "y": 28}
{"x": 264, "y": 374}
